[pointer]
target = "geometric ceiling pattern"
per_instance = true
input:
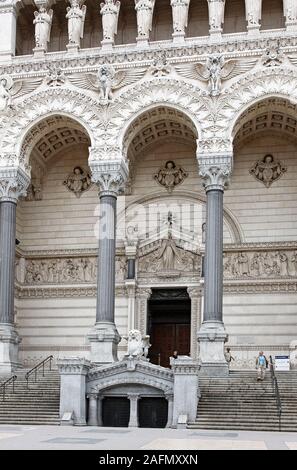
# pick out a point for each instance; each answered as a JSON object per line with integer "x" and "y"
{"x": 53, "y": 134}
{"x": 273, "y": 114}
{"x": 159, "y": 123}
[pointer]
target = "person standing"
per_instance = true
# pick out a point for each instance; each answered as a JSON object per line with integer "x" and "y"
{"x": 261, "y": 365}
{"x": 228, "y": 356}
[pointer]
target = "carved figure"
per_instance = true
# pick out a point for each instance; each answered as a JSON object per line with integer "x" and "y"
{"x": 144, "y": 10}
{"x": 170, "y": 176}
{"x": 43, "y": 23}
{"x": 106, "y": 80}
{"x": 110, "y": 13}
{"x": 215, "y": 70}
{"x": 268, "y": 170}
{"x": 216, "y": 10}
{"x": 10, "y": 89}
{"x": 180, "y": 9}
{"x": 76, "y": 20}
{"x": 78, "y": 182}
{"x": 253, "y": 12}
{"x": 138, "y": 345}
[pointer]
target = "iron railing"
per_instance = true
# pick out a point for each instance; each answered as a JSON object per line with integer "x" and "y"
{"x": 276, "y": 392}
{"x": 37, "y": 368}
{"x": 7, "y": 382}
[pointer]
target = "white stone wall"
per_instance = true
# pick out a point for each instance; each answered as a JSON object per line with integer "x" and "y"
{"x": 265, "y": 214}
{"x": 59, "y": 326}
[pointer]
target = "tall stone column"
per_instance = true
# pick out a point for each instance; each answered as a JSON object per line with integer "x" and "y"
{"x": 133, "y": 421}
{"x": 13, "y": 184}
{"x": 212, "y": 335}
{"x": 253, "y": 13}
{"x": 216, "y": 11}
{"x": 104, "y": 337}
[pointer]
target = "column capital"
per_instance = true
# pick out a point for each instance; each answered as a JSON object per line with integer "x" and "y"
{"x": 194, "y": 292}
{"x": 215, "y": 170}
{"x": 133, "y": 396}
{"x": 13, "y": 184}
{"x": 110, "y": 176}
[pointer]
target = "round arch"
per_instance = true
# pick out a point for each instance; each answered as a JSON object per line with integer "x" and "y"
{"x": 56, "y": 101}
{"x": 229, "y": 218}
{"x": 150, "y": 94}
{"x": 273, "y": 83}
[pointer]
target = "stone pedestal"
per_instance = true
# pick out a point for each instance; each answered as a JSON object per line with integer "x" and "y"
{"x": 107, "y": 45}
{"x": 212, "y": 337}
{"x": 73, "y": 373}
{"x": 178, "y": 38}
{"x": 185, "y": 389}
{"x": 9, "y": 346}
{"x": 142, "y": 42}
{"x": 104, "y": 339}
{"x": 169, "y": 398}
{"x": 72, "y": 48}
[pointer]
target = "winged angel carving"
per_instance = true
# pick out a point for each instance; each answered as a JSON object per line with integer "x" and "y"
{"x": 10, "y": 90}
{"x": 106, "y": 80}
{"x": 215, "y": 70}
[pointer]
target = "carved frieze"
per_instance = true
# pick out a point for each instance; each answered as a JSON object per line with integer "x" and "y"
{"x": 168, "y": 260}
{"x": 268, "y": 170}
{"x": 260, "y": 264}
{"x": 68, "y": 270}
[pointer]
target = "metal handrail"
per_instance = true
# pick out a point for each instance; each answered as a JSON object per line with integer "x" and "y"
{"x": 35, "y": 369}
{"x": 276, "y": 391}
{"x": 12, "y": 380}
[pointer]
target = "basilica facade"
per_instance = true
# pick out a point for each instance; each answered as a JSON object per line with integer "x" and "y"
{"x": 148, "y": 180}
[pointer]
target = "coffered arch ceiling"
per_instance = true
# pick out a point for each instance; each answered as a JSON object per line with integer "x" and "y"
{"x": 156, "y": 125}
{"x": 272, "y": 114}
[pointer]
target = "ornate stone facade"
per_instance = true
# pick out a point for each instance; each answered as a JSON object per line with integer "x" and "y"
{"x": 111, "y": 105}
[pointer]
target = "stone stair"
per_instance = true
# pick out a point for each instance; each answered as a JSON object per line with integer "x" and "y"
{"x": 38, "y": 405}
{"x": 239, "y": 402}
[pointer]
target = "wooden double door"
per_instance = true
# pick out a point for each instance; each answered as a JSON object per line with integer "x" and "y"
{"x": 169, "y": 324}
{"x": 166, "y": 338}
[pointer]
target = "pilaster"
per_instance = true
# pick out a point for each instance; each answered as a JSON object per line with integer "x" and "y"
{"x": 8, "y": 18}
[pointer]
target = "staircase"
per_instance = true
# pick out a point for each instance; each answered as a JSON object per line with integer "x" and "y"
{"x": 239, "y": 402}
{"x": 38, "y": 405}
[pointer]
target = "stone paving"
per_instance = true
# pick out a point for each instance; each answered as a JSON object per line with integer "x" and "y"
{"x": 95, "y": 438}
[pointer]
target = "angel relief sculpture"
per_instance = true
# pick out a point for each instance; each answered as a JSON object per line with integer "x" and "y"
{"x": 170, "y": 176}
{"x": 78, "y": 181}
{"x": 268, "y": 170}
{"x": 10, "y": 90}
{"x": 215, "y": 70}
{"x": 106, "y": 80}
{"x": 76, "y": 19}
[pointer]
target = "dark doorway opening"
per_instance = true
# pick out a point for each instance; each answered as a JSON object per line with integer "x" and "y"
{"x": 169, "y": 324}
{"x": 116, "y": 412}
{"x": 152, "y": 412}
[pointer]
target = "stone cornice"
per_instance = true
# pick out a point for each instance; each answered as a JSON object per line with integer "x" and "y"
{"x": 232, "y": 45}
{"x": 58, "y": 292}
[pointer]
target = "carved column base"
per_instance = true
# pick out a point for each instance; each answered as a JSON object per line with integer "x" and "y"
{"x": 72, "y": 48}
{"x": 142, "y": 42}
{"x": 215, "y": 35}
{"x": 107, "y": 44}
{"x": 253, "y": 30}
{"x": 212, "y": 336}
{"x": 9, "y": 348}
{"x": 178, "y": 37}
{"x": 104, "y": 339}
{"x": 39, "y": 52}
{"x": 291, "y": 27}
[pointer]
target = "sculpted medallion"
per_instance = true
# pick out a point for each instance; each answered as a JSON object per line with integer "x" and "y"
{"x": 268, "y": 170}
{"x": 170, "y": 176}
{"x": 78, "y": 181}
